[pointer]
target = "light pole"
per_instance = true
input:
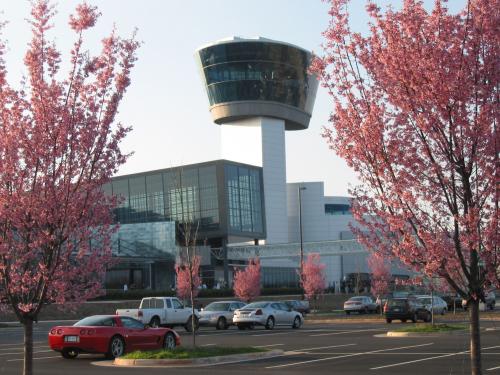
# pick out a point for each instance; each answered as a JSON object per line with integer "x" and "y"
{"x": 301, "y": 241}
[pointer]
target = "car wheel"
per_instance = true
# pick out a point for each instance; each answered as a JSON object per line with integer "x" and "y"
{"x": 169, "y": 341}
{"x": 366, "y": 311}
{"x": 221, "y": 323}
{"x": 297, "y": 322}
{"x": 155, "y": 322}
{"x": 69, "y": 353}
{"x": 270, "y": 323}
{"x": 428, "y": 317}
{"x": 388, "y": 320}
{"x": 377, "y": 310}
{"x": 116, "y": 347}
{"x": 414, "y": 318}
{"x": 189, "y": 325}
{"x": 241, "y": 327}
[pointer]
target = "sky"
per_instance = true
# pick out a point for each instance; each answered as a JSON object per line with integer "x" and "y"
{"x": 166, "y": 103}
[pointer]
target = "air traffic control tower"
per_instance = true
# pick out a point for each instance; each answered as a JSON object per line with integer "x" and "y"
{"x": 259, "y": 88}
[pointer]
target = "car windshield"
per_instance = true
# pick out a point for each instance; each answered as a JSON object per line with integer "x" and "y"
{"x": 256, "y": 305}
{"x": 93, "y": 321}
{"x": 396, "y": 302}
{"x": 217, "y": 306}
{"x": 425, "y": 300}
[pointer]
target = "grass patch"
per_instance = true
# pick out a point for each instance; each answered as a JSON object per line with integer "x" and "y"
{"x": 429, "y": 328}
{"x": 186, "y": 353}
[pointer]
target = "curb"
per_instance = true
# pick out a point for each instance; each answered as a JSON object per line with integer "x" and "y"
{"x": 341, "y": 320}
{"x": 205, "y": 361}
{"x": 426, "y": 334}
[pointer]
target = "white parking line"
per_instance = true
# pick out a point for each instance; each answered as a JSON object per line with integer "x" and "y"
{"x": 493, "y": 368}
{"x": 21, "y": 344}
{"x": 22, "y": 353}
{"x": 345, "y": 332}
{"x": 321, "y": 347}
{"x": 34, "y": 359}
{"x": 208, "y": 345}
{"x": 393, "y": 354}
{"x": 348, "y": 355}
{"x": 21, "y": 348}
{"x": 267, "y": 346}
{"x": 274, "y": 334}
{"x": 429, "y": 358}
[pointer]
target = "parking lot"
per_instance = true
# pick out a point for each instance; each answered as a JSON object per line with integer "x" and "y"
{"x": 343, "y": 348}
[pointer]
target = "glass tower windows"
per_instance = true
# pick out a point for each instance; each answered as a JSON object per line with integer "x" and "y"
{"x": 155, "y": 197}
{"x": 258, "y": 71}
{"x": 138, "y": 205}
{"x": 191, "y": 194}
{"x": 337, "y": 209}
{"x": 244, "y": 199}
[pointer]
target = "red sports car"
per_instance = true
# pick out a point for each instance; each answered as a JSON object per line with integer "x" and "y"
{"x": 111, "y": 335}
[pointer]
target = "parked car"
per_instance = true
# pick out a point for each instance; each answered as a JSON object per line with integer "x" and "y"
{"x": 219, "y": 314}
{"x": 433, "y": 303}
{"x": 267, "y": 314}
{"x": 490, "y": 301}
{"x": 405, "y": 309}
{"x": 302, "y": 306}
{"x": 452, "y": 301}
{"x": 360, "y": 304}
{"x": 110, "y": 335}
{"x": 158, "y": 311}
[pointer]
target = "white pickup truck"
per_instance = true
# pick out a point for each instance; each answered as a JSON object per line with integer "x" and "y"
{"x": 158, "y": 311}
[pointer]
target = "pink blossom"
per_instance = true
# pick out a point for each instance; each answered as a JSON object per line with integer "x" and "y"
{"x": 313, "y": 278}
{"x": 185, "y": 284}
{"x": 246, "y": 283}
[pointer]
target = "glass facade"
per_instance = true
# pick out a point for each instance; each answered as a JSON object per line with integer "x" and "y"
{"x": 258, "y": 71}
{"x": 337, "y": 209}
{"x": 192, "y": 194}
{"x": 244, "y": 197}
{"x": 184, "y": 194}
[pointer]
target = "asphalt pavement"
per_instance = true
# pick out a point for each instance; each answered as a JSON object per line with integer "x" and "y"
{"x": 334, "y": 348}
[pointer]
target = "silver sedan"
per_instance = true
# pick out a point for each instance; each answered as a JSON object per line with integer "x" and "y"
{"x": 219, "y": 314}
{"x": 267, "y": 314}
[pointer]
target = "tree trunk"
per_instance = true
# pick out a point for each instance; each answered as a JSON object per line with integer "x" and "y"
{"x": 28, "y": 347}
{"x": 475, "y": 340}
{"x": 193, "y": 327}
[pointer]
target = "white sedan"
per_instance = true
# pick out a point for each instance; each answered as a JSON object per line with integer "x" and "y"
{"x": 219, "y": 314}
{"x": 436, "y": 303}
{"x": 267, "y": 314}
{"x": 360, "y": 304}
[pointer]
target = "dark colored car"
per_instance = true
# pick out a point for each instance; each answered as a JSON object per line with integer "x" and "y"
{"x": 405, "y": 309}
{"x": 452, "y": 301}
{"x": 489, "y": 299}
{"x": 302, "y": 306}
{"x": 111, "y": 335}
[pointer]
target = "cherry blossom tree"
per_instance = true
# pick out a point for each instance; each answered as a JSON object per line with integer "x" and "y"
{"x": 58, "y": 146}
{"x": 415, "y": 114}
{"x": 188, "y": 283}
{"x": 188, "y": 278}
{"x": 381, "y": 274}
{"x": 246, "y": 284}
{"x": 313, "y": 276}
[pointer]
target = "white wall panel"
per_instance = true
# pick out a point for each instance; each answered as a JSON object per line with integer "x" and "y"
{"x": 260, "y": 141}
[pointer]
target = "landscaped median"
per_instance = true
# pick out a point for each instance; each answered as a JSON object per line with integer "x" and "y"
{"x": 418, "y": 330}
{"x": 200, "y": 356}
